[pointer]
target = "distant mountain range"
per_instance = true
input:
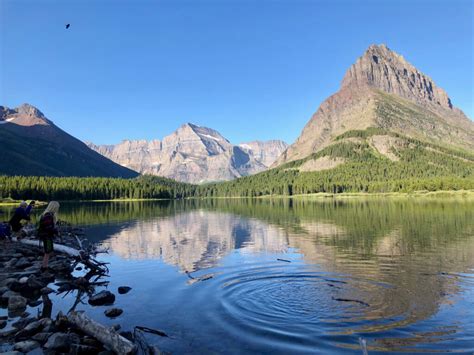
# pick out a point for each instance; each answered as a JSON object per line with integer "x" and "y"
{"x": 194, "y": 154}
{"x": 33, "y": 145}
{"x": 388, "y": 123}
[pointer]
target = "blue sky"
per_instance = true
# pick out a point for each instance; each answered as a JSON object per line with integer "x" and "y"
{"x": 249, "y": 69}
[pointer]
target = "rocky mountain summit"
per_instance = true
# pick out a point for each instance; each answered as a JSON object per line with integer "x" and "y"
{"x": 31, "y": 144}
{"x": 383, "y": 90}
{"x": 193, "y": 154}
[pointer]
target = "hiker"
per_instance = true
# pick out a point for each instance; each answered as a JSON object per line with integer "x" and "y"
{"x": 21, "y": 213}
{"x": 47, "y": 230}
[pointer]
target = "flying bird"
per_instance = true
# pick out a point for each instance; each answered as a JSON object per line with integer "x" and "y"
{"x": 68, "y": 25}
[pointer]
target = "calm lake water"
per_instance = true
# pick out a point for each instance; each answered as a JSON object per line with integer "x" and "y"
{"x": 397, "y": 272}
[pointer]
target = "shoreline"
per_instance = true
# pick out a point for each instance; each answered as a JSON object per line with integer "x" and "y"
{"x": 28, "y": 322}
{"x": 315, "y": 196}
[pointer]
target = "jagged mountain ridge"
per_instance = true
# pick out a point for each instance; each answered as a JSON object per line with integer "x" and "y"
{"x": 31, "y": 144}
{"x": 383, "y": 90}
{"x": 193, "y": 154}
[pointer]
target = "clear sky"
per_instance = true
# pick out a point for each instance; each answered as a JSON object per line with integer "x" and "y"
{"x": 249, "y": 69}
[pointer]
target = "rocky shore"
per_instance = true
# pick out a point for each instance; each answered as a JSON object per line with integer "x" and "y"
{"x": 28, "y": 324}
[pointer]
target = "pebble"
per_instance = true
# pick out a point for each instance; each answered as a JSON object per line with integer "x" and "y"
{"x": 102, "y": 298}
{"x": 23, "y": 280}
{"x": 113, "y": 312}
{"x": 124, "y": 289}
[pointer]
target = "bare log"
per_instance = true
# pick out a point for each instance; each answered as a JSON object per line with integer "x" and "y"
{"x": 105, "y": 335}
{"x": 58, "y": 247}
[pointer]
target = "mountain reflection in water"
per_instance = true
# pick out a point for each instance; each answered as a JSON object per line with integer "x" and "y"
{"x": 397, "y": 272}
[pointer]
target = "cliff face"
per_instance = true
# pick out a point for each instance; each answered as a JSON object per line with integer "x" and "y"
{"x": 383, "y": 90}
{"x": 194, "y": 154}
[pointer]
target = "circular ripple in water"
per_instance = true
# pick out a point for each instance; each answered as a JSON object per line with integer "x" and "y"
{"x": 292, "y": 306}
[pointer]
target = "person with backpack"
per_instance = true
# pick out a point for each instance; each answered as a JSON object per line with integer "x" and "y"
{"x": 47, "y": 231}
{"x": 21, "y": 213}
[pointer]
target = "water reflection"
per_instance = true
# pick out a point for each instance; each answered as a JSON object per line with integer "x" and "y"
{"x": 195, "y": 240}
{"x": 396, "y": 272}
{"x": 368, "y": 267}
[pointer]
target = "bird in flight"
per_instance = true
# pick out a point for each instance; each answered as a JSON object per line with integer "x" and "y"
{"x": 68, "y": 25}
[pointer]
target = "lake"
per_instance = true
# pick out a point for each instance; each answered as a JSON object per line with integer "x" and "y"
{"x": 289, "y": 276}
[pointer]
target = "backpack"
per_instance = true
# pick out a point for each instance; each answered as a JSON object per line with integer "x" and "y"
{"x": 46, "y": 226}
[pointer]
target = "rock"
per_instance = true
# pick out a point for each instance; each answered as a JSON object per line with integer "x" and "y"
{"x": 46, "y": 290}
{"x": 12, "y": 353}
{"x": 23, "y": 322}
{"x": 3, "y": 324}
{"x": 35, "y": 283}
{"x": 26, "y": 346}
{"x": 124, "y": 289}
{"x": 80, "y": 349}
{"x": 23, "y": 280}
{"x": 61, "y": 341}
{"x": 17, "y": 286}
{"x": 79, "y": 268}
{"x": 42, "y": 337}
{"x": 102, "y": 298}
{"x": 33, "y": 328}
{"x": 16, "y": 303}
{"x": 7, "y": 282}
{"x": 7, "y": 333}
{"x": 22, "y": 263}
{"x": 9, "y": 294}
{"x": 91, "y": 342}
{"x": 116, "y": 327}
{"x": 61, "y": 267}
{"x": 113, "y": 312}
{"x": 4, "y": 289}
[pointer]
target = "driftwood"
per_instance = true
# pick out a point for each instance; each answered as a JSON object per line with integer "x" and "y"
{"x": 58, "y": 247}
{"x": 105, "y": 335}
{"x": 81, "y": 256}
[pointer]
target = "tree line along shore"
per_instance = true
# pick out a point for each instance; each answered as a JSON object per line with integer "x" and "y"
{"x": 16, "y": 188}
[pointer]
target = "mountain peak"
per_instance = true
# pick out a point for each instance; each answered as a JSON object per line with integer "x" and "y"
{"x": 30, "y": 110}
{"x": 24, "y": 115}
{"x": 386, "y": 70}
